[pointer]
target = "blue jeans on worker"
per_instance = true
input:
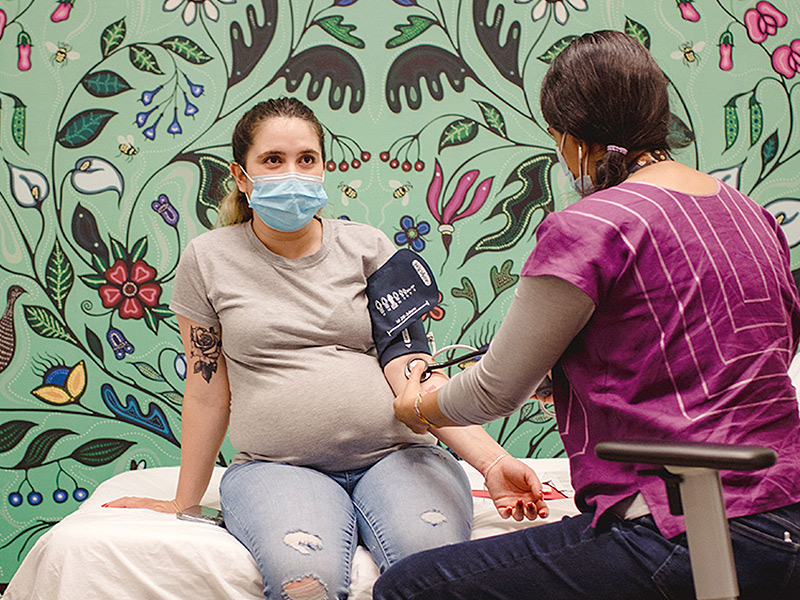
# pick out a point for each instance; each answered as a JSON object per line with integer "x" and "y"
{"x": 617, "y": 560}
{"x": 302, "y": 524}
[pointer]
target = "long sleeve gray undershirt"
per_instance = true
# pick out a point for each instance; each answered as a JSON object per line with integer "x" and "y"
{"x": 545, "y": 316}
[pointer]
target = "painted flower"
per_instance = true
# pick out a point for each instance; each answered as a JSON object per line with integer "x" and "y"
{"x": 95, "y": 175}
{"x": 24, "y": 51}
{"x": 190, "y": 10}
{"x": 411, "y": 234}
{"x": 786, "y": 59}
{"x": 191, "y": 110}
{"x": 688, "y": 12}
{"x": 175, "y": 127}
{"x": 449, "y": 213}
{"x": 127, "y": 289}
{"x": 150, "y": 132}
{"x": 3, "y": 21}
{"x": 726, "y": 51}
{"x": 61, "y": 13}
{"x": 437, "y": 312}
{"x": 147, "y": 96}
{"x": 62, "y": 385}
{"x": 29, "y": 187}
{"x": 541, "y": 8}
{"x": 763, "y": 21}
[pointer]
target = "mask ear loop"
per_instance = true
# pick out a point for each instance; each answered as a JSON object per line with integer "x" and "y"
{"x": 580, "y": 170}
{"x": 250, "y": 179}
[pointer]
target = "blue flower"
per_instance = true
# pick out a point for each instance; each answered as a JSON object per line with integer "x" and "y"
{"x": 174, "y": 127}
{"x": 412, "y": 234}
{"x": 147, "y": 97}
{"x": 141, "y": 118}
{"x": 406, "y": 2}
{"x": 195, "y": 88}
{"x": 190, "y": 110}
{"x": 150, "y": 132}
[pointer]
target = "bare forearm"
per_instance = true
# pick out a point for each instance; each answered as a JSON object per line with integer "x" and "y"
{"x": 471, "y": 443}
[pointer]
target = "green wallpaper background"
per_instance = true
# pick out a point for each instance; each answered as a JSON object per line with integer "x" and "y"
{"x": 115, "y": 120}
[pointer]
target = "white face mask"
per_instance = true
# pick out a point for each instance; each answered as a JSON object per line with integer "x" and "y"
{"x": 583, "y": 183}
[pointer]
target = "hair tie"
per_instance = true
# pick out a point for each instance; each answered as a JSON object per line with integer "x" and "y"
{"x": 613, "y": 148}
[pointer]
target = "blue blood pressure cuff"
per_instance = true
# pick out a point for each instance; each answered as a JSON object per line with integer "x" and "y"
{"x": 399, "y": 293}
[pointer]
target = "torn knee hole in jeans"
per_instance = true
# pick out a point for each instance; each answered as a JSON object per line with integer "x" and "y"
{"x": 302, "y": 541}
{"x": 305, "y": 588}
{"x": 433, "y": 517}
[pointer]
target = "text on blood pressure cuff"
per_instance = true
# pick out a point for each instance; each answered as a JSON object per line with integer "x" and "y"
{"x": 399, "y": 293}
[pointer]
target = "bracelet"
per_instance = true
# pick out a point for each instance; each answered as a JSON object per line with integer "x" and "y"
{"x": 493, "y": 463}
{"x": 419, "y": 414}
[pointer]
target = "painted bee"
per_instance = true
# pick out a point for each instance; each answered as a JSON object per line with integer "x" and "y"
{"x": 400, "y": 190}
{"x": 349, "y": 191}
{"x": 126, "y": 146}
{"x": 688, "y": 52}
{"x": 62, "y": 53}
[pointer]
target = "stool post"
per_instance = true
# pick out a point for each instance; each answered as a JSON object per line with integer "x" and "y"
{"x": 708, "y": 533}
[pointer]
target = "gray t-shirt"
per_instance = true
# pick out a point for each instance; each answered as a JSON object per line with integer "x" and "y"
{"x": 306, "y": 386}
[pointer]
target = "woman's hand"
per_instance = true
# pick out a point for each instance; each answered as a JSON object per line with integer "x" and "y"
{"x": 165, "y": 506}
{"x": 404, "y": 402}
{"x": 516, "y": 490}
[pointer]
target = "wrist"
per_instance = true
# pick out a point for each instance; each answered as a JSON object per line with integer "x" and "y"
{"x": 418, "y": 412}
{"x": 493, "y": 464}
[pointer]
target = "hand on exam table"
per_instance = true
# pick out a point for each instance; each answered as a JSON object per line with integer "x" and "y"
{"x": 165, "y": 506}
{"x": 516, "y": 490}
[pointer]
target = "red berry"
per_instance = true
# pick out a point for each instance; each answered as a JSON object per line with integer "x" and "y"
{"x": 384, "y": 156}
{"x": 355, "y": 163}
{"x": 343, "y": 166}
{"x": 419, "y": 165}
{"x": 365, "y": 156}
{"x": 406, "y": 166}
{"x": 394, "y": 163}
{"x": 330, "y": 165}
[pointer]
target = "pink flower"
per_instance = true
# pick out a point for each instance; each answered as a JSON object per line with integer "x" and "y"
{"x": 763, "y": 21}
{"x": 786, "y": 59}
{"x": 24, "y": 48}
{"x": 726, "y": 51}
{"x": 127, "y": 291}
{"x": 3, "y": 19}
{"x": 688, "y": 12}
{"x": 61, "y": 13}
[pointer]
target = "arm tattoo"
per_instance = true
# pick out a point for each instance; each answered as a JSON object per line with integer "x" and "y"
{"x": 206, "y": 347}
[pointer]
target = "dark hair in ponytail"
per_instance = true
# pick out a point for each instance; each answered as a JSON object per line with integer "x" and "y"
{"x": 606, "y": 88}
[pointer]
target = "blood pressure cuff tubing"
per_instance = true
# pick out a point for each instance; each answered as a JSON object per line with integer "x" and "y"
{"x": 399, "y": 293}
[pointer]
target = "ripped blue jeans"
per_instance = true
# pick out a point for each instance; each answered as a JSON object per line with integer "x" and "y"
{"x": 302, "y": 525}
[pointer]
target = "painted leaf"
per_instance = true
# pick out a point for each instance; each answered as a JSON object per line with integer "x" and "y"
{"x": 100, "y": 451}
{"x": 493, "y": 118}
{"x": 679, "y": 134}
{"x": 503, "y": 278}
{"x": 39, "y": 448}
{"x": 638, "y": 32}
{"x": 94, "y": 343}
{"x": 131, "y": 412}
{"x": 407, "y": 32}
{"x": 85, "y": 232}
{"x": 769, "y": 149}
{"x": 18, "y": 118}
{"x": 112, "y": 37}
{"x": 504, "y": 56}
{"x": 325, "y": 62}
{"x": 458, "y": 132}
{"x": 104, "y": 84}
{"x": 187, "y": 49}
{"x": 215, "y": 179}
{"x": 245, "y": 57}
{"x": 99, "y": 263}
{"x": 150, "y": 319}
{"x": 467, "y": 290}
{"x": 556, "y": 49}
{"x": 534, "y": 194}
{"x": 163, "y": 311}
{"x": 139, "y": 249}
{"x": 333, "y": 25}
{"x": 148, "y": 371}
{"x": 756, "y": 120}
{"x": 174, "y": 397}
{"x": 44, "y": 323}
{"x": 12, "y": 432}
{"x": 84, "y": 127}
{"x": 118, "y": 251}
{"x": 428, "y": 63}
{"x": 731, "y": 123}
{"x": 527, "y": 410}
{"x": 144, "y": 60}
{"x": 59, "y": 276}
{"x": 93, "y": 281}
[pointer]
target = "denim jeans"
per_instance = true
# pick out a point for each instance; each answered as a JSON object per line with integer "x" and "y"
{"x": 302, "y": 525}
{"x": 617, "y": 560}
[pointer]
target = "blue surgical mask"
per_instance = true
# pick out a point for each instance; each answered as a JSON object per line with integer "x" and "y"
{"x": 287, "y": 201}
{"x": 582, "y": 184}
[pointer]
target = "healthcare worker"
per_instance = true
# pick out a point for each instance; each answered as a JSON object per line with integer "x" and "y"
{"x": 664, "y": 303}
{"x": 273, "y": 315}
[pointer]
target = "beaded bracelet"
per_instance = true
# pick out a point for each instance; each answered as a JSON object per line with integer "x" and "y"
{"x": 493, "y": 463}
{"x": 419, "y": 414}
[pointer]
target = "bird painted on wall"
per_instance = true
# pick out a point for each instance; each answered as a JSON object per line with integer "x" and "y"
{"x": 8, "y": 342}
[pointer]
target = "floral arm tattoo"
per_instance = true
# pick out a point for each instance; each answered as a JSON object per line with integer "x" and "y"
{"x": 206, "y": 347}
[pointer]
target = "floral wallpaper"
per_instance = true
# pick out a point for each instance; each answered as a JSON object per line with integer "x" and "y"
{"x": 115, "y": 122}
